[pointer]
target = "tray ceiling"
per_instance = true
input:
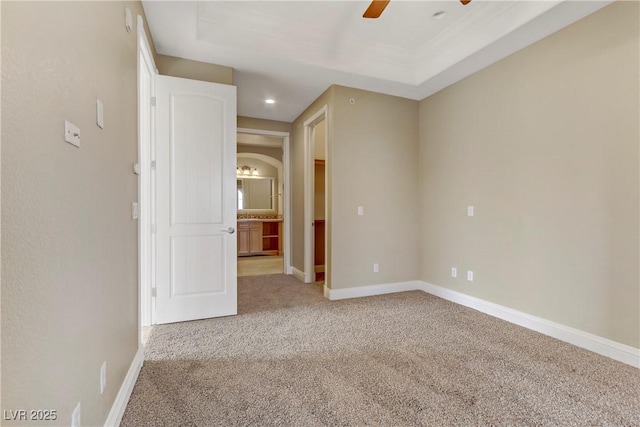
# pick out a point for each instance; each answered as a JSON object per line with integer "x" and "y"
{"x": 291, "y": 51}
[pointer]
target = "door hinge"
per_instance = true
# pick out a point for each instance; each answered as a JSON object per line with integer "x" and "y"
{"x": 153, "y": 164}
{"x": 154, "y": 228}
{"x": 154, "y": 292}
{"x": 153, "y": 101}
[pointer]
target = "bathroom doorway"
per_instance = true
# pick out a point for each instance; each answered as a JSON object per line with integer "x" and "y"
{"x": 262, "y": 176}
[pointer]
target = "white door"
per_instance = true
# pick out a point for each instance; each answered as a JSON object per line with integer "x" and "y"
{"x": 196, "y": 218}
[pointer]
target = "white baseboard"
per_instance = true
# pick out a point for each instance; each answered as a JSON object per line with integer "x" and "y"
{"x": 120, "y": 404}
{"x": 297, "y": 274}
{"x": 366, "y": 291}
{"x": 614, "y": 350}
{"x": 603, "y": 346}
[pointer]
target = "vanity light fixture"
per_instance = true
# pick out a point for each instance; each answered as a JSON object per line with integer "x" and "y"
{"x": 246, "y": 170}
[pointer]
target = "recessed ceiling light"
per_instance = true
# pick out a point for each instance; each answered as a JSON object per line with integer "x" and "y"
{"x": 270, "y": 101}
{"x": 439, "y": 15}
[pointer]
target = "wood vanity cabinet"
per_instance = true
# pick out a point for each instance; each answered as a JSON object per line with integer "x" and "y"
{"x": 259, "y": 238}
{"x": 249, "y": 238}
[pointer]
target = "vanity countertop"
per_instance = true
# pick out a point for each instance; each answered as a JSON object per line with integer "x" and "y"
{"x": 259, "y": 219}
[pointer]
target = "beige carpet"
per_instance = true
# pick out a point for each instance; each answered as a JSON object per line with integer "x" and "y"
{"x": 293, "y": 358}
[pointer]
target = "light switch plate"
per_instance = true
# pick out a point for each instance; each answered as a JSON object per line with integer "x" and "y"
{"x": 469, "y": 210}
{"x": 99, "y": 114}
{"x": 134, "y": 210}
{"x": 454, "y": 272}
{"x": 103, "y": 377}
{"x": 470, "y": 276}
{"x": 360, "y": 210}
{"x": 71, "y": 133}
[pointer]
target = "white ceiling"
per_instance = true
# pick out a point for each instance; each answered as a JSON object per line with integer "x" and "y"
{"x": 292, "y": 51}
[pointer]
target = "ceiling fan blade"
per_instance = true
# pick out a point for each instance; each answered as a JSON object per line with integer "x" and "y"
{"x": 375, "y": 8}
{"x": 465, "y": 2}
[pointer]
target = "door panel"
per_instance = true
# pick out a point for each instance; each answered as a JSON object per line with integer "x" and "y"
{"x": 196, "y": 199}
{"x": 195, "y": 183}
{"x": 193, "y": 262}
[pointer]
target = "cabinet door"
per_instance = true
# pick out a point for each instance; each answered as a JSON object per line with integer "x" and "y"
{"x": 243, "y": 241}
{"x": 256, "y": 239}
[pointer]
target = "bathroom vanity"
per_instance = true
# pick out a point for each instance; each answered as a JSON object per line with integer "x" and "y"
{"x": 259, "y": 210}
{"x": 259, "y": 237}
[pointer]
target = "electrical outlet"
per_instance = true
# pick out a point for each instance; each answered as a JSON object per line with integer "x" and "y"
{"x": 103, "y": 377}
{"x": 376, "y": 268}
{"x": 454, "y": 272}
{"x": 470, "y": 276}
{"x": 75, "y": 416}
{"x": 360, "y": 210}
{"x": 469, "y": 210}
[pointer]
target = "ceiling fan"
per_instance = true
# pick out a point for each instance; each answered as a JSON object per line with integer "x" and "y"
{"x": 376, "y": 8}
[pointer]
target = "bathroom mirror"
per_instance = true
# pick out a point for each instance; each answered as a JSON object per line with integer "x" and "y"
{"x": 255, "y": 193}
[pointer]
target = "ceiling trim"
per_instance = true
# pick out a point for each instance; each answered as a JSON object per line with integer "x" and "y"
{"x": 297, "y": 77}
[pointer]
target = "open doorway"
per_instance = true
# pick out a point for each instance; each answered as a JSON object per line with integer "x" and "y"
{"x": 319, "y": 204}
{"x": 315, "y": 199}
{"x": 263, "y": 202}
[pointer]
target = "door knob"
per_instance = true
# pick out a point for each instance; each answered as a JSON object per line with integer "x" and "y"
{"x": 229, "y": 230}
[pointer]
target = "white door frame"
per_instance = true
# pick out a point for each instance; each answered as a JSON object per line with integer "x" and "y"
{"x": 309, "y": 168}
{"x": 146, "y": 66}
{"x": 286, "y": 162}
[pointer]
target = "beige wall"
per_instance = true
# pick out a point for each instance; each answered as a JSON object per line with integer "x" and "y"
{"x": 274, "y": 152}
{"x": 263, "y": 124}
{"x": 69, "y": 245}
{"x": 544, "y": 144}
{"x": 195, "y": 70}
{"x": 373, "y": 163}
